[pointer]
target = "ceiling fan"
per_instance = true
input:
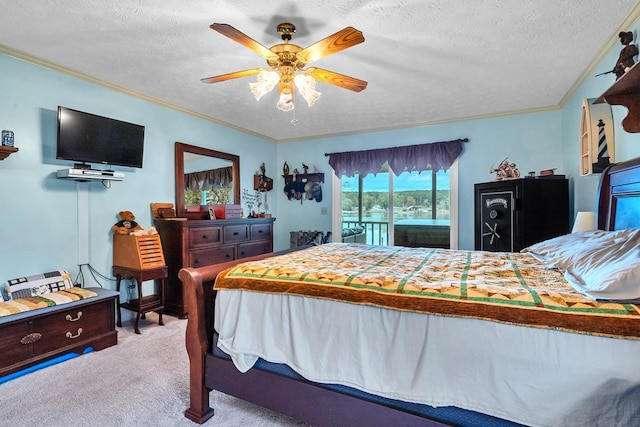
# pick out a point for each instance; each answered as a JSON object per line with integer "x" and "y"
{"x": 287, "y": 62}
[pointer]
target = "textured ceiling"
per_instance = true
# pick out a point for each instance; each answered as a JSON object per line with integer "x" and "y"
{"x": 426, "y": 61}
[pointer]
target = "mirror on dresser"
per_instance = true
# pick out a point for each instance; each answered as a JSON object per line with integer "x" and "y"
{"x": 194, "y": 240}
{"x": 199, "y": 170}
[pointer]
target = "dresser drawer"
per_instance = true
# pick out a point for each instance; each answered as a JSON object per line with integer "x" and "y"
{"x": 261, "y": 231}
{"x": 73, "y": 326}
{"x": 202, "y": 257}
{"x": 254, "y": 248}
{"x": 236, "y": 233}
{"x": 204, "y": 236}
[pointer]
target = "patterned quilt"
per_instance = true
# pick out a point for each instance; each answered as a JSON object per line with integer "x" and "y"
{"x": 504, "y": 287}
{"x": 19, "y": 305}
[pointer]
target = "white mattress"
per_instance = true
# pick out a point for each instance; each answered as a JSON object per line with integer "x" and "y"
{"x": 537, "y": 377}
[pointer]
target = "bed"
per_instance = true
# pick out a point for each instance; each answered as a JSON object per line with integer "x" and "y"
{"x": 560, "y": 358}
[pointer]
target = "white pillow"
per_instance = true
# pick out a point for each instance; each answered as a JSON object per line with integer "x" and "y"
{"x": 600, "y": 264}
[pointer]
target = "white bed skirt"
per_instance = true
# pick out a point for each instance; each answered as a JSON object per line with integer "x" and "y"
{"x": 533, "y": 376}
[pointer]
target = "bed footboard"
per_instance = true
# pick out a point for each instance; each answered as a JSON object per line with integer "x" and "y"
{"x": 197, "y": 344}
{"x": 199, "y": 296}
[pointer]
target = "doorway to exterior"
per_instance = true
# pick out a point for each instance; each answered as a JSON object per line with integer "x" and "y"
{"x": 413, "y": 209}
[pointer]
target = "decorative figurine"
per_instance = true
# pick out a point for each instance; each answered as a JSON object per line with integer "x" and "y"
{"x": 251, "y": 200}
{"x": 505, "y": 170}
{"x": 285, "y": 169}
{"x": 625, "y": 60}
{"x": 7, "y": 138}
{"x": 305, "y": 169}
{"x": 603, "y": 150}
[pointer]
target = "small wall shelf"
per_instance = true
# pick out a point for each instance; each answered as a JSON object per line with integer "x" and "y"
{"x": 304, "y": 177}
{"x": 84, "y": 175}
{"x": 626, "y": 92}
{"x": 596, "y": 125}
{"x": 304, "y": 186}
{"x": 262, "y": 183}
{"x": 6, "y": 151}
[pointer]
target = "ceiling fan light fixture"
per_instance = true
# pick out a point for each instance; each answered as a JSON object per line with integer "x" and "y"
{"x": 287, "y": 59}
{"x": 307, "y": 87}
{"x": 267, "y": 80}
{"x": 285, "y": 103}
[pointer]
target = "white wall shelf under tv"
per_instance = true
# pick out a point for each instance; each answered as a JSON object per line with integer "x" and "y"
{"x": 89, "y": 175}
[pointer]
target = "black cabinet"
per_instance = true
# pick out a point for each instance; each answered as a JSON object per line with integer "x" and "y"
{"x": 513, "y": 214}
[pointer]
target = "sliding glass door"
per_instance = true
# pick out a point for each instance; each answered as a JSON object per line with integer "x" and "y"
{"x": 422, "y": 209}
{"x": 412, "y": 209}
{"x": 366, "y": 207}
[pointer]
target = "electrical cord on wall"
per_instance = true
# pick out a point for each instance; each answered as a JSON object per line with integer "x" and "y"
{"x": 130, "y": 286}
{"x": 94, "y": 273}
{"x": 79, "y": 283}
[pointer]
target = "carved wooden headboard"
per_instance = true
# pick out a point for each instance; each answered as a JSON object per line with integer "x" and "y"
{"x": 619, "y": 196}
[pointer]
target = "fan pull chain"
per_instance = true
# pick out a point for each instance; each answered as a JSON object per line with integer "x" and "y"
{"x": 294, "y": 121}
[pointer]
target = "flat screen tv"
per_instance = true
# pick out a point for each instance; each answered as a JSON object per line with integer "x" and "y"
{"x": 88, "y": 138}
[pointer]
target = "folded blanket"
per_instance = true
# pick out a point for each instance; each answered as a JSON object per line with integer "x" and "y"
{"x": 19, "y": 305}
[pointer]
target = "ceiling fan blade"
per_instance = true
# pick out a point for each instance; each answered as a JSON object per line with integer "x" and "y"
{"x": 243, "y": 39}
{"x": 341, "y": 40}
{"x": 237, "y": 74}
{"x": 336, "y": 79}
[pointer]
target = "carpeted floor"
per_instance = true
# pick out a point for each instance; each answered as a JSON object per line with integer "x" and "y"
{"x": 143, "y": 381}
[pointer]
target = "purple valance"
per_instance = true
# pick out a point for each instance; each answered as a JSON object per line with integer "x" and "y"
{"x": 438, "y": 155}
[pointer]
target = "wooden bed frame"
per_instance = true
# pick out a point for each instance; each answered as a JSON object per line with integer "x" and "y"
{"x": 618, "y": 207}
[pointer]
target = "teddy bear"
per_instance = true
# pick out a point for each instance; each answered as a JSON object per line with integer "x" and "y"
{"x": 126, "y": 225}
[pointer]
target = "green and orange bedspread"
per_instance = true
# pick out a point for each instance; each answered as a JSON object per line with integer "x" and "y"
{"x": 504, "y": 287}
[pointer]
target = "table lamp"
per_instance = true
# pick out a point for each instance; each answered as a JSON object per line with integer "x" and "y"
{"x": 585, "y": 221}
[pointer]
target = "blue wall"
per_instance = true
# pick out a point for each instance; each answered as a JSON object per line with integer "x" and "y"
{"x": 531, "y": 141}
{"x": 41, "y": 212}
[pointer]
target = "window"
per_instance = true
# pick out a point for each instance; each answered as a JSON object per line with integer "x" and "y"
{"x": 437, "y": 156}
{"x": 412, "y": 209}
{"x": 366, "y": 203}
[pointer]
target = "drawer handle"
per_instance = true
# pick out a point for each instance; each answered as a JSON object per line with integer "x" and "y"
{"x": 70, "y": 335}
{"x": 260, "y": 231}
{"x": 196, "y": 262}
{"x": 71, "y": 319}
{"x": 242, "y": 253}
{"x": 31, "y": 338}
{"x": 228, "y": 255}
{"x": 235, "y": 233}
{"x": 205, "y": 236}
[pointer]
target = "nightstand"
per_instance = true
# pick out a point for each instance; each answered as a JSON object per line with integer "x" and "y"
{"x": 143, "y": 304}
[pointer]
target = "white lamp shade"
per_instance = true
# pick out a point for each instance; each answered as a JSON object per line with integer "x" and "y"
{"x": 585, "y": 221}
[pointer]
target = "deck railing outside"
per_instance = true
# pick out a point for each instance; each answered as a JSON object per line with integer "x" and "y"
{"x": 376, "y": 232}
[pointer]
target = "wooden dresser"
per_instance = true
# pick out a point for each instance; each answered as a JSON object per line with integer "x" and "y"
{"x": 38, "y": 335}
{"x": 196, "y": 243}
